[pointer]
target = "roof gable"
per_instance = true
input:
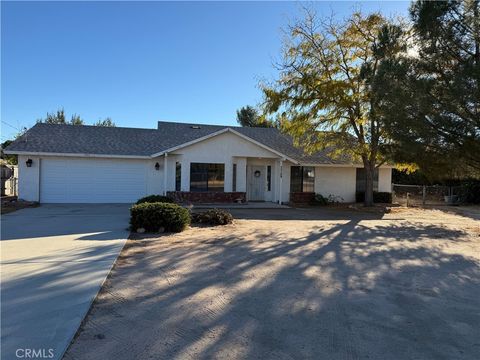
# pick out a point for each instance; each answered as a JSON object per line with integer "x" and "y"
{"x": 261, "y": 150}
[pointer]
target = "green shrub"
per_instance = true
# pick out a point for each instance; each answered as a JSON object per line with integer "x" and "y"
{"x": 320, "y": 200}
{"x": 378, "y": 197}
{"x": 470, "y": 191}
{"x": 154, "y": 216}
{"x": 154, "y": 199}
{"x": 213, "y": 217}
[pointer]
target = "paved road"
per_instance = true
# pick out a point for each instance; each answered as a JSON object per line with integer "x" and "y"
{"x": 54, "y": 259}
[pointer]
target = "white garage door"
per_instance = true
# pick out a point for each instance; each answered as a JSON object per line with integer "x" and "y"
{"x": 92, "y": 180}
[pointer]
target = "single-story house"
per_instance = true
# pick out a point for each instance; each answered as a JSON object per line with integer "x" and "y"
{"x": 205, "y": 163}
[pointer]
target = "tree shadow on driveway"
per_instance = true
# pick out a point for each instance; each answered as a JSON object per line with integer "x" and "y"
{"x": 342, "y": 291}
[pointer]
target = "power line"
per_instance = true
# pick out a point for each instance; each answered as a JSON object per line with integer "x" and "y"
{"x": 13, "y": 127}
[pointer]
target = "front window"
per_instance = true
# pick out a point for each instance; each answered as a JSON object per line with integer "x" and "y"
{"x": 302, "y": 179}
{"x": 207, "y": 177}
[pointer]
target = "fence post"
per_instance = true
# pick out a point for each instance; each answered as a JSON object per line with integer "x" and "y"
{"x": 424, "y": 195}
{"x": 408, "y": 198}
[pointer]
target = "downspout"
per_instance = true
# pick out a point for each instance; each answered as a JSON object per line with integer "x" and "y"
{"x": 165, "y": 174}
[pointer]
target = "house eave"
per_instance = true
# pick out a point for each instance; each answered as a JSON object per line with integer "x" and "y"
{"x": 384, "y": 166}
{"x": 87, "y": 155}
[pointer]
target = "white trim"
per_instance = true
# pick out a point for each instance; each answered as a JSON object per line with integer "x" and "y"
{"x": 10, "y": 152}
{"x": 281, "y": 182}
{"x": 165, "y": 178}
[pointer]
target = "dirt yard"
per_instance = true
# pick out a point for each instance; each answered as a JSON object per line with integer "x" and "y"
{"x": 295, "y": 284}
{"x": 10, "y": 204}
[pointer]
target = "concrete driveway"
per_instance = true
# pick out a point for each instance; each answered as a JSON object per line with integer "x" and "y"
{"x": 54, "y": 260}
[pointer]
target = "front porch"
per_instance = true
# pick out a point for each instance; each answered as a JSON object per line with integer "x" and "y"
{"x": 236, "y": 179}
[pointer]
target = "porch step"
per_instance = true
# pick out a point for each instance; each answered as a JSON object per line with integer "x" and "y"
{"x": 251, "y": 205}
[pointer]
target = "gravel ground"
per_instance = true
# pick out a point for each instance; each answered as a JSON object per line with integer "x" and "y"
{"x": 295, "y": 284}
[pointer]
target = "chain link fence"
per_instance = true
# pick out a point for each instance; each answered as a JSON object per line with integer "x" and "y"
{"x": 422, "y": 195}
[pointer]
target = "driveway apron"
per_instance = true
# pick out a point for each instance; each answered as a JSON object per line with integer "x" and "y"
{"x": 54, "y": 260}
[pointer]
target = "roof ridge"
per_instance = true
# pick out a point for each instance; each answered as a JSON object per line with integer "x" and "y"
{"x": 94, "y": 126}
{"x": 197, "y": 124}
{"x": 219, "y": 126}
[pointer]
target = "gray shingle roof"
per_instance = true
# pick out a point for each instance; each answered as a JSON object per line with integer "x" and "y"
{"x": 119, "y": 141}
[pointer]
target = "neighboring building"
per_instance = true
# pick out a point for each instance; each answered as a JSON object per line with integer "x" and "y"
{"x": 209, "y": 163}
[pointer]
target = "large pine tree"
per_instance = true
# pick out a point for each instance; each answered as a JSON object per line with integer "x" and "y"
{"x": 432, "y": 97}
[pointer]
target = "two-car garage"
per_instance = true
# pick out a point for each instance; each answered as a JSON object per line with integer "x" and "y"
{"x": 91, "y": 180}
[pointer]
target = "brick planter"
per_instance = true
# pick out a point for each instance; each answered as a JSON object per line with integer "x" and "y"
{"x": 301, "y": 197}
{"x": 206, "y": 197}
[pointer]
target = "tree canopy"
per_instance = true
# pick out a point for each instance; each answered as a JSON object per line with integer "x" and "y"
{"x": 323, "y": 94}
{"x": 433, "y": 98}
{"x": 59, "y": 118}
{"x": 107, "y": 122}
{"x": 248, "y": 116}
{"x": 10, "y": 159}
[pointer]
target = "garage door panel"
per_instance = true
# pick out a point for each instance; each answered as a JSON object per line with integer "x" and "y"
{"x": 92, "y": 180}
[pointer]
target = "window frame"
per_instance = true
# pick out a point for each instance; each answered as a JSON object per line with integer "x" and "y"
{"x": 204, "y": 171}
{"x": 302, "y": 182}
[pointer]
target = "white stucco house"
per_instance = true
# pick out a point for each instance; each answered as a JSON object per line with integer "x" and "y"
{"x": 207, "y": 163}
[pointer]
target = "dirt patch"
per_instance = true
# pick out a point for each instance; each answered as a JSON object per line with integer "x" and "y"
{"x": 11, "y": 206}
{"x": 295, "y": 284}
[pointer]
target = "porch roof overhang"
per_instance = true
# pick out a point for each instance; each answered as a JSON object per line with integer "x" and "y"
{"x": 383, "y": 166}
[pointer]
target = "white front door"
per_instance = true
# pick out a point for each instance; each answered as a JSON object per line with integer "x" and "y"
{"x": 256, "y": 183}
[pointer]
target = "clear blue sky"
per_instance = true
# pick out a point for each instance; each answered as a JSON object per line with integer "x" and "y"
{"x": 142, "y": 62}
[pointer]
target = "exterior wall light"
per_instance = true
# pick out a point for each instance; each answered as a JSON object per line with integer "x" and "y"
{"x": 157, "y": 166}
{"x": 29, "y": 162}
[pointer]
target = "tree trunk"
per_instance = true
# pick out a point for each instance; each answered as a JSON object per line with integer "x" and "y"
{"x": 369, "y": 171}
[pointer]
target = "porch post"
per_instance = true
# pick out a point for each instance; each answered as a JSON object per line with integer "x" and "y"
{"x": 280, "y": 182}
{"x": 185, "y": 175}
{"x": 165, "y": 174}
